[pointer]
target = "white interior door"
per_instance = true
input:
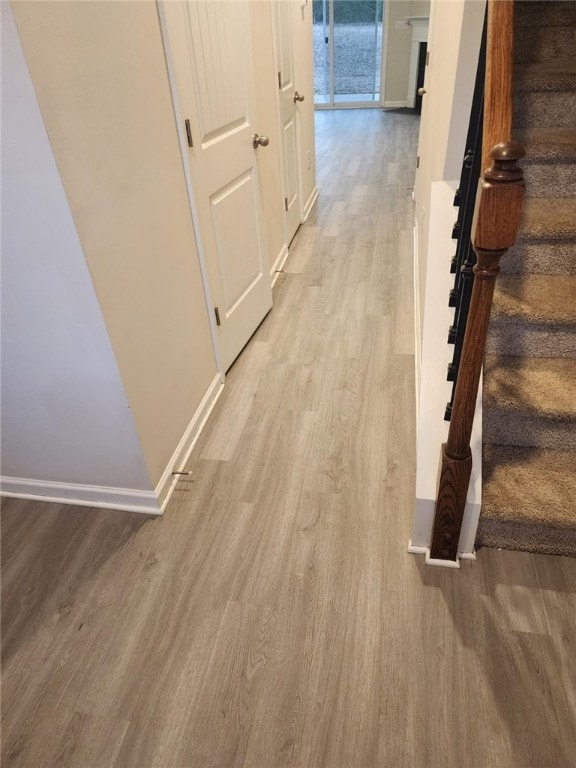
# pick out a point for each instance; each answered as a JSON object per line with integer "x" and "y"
{"x": 211, "y": 49}
{"x": 288, "y": 106}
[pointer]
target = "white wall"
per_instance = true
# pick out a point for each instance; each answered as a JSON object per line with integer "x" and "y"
{"x": 120, "y": 337}
{"x": 101, "y": 80}
{"x": 65, "y": 414}
{"x": 397, "y": 46}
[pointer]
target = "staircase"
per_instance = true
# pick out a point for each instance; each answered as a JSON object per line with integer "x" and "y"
{"x": 529, "y": 399}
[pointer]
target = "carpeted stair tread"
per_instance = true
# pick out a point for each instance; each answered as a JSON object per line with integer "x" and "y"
{"x": 550, "y": 162}
{"x": 539, "y": 299}
{"x": 544, "y": 479}
{"x": 529, "y": 500}
{"x": 529, "y": 397}
{"x": 540, "y": 258}
{"x": 555, "y": 75}
{"x": 543, "y": 387}
{"x": 548, "y": 145}
{"x": 548, "y": 219}
{"x": 536, "y": 13}
{"x": 544, "y": 43}
{"x": 543, "y": 247}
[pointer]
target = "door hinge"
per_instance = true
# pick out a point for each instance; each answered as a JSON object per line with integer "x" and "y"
{"x": 326, "y": 40}
{"x": 418, "y": 162}
{"x": 286, "y": 203}
{"x": 280, "y": 80}
{"x": 189, "y": 133}
{"x": 217, "y": 313}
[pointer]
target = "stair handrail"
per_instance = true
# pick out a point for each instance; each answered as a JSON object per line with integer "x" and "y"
{"x": 499, "y": 76}
{"x": 494, "y": 229}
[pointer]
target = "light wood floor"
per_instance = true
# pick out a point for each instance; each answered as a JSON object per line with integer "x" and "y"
{"x": 272, "y": 618}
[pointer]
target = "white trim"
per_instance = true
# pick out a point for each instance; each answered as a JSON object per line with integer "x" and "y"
{"x": 417, "y": 322}
{"x": 384, "y": 52}
{"x": 441, "y": 563}
{"x": 184, "y": 149}
{"x": 393, "y": 104}
{"x": 125, "y": 499}
{"x": 168, "y": 481}
{"x": 310, "y": 203}
{"x": 416, "y": 550}
{"x": 413, "y": 549}
{"x": 279, "y": 262}
{"x": 349, "y": 105}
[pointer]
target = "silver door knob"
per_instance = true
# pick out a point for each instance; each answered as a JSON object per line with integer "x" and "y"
{"x": 297, "y": 97}
{"x": 421, "y": 91}
{"x": 260, "y": 141}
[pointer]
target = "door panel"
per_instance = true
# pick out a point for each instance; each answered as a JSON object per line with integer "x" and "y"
{"x": 291, "y": 172}
{"x": 217, "y": 52}
{"x": 288, "y": 109}
{"x": 215, "y": 76}
{"x": 284, "y": 10}
{"x": 236, "y": 229}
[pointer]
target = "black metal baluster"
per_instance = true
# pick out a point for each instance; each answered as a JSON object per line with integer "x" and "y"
{"x": 466, "y": 193}
{"x": 465, "y": 258}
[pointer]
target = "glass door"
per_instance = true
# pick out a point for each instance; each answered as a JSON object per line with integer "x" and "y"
{"x": 347, "y": 52}
{"x": 322, "y": 52}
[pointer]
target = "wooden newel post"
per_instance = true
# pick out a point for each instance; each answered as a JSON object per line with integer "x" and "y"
{"x": 494, "y": 229}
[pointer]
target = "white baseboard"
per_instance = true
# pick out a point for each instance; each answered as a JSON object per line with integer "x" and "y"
{"x": 279, "y": 262}
{"x": 125, "y": 499}
{"x": 168, "y": 481}
{"x": 309, "y": 203}
{"x": 413, "y": 549}
{"x": 393, "y": 104}
{"x": 441, "y": 563}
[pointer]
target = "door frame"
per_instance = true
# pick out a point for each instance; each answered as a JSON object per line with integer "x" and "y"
{"x": 275, "y": 33}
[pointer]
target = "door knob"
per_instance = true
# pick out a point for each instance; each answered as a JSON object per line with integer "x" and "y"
{"x": 260, "y": 141}
{"x": 421, "y": 91}
{"x": 297, "y": 97}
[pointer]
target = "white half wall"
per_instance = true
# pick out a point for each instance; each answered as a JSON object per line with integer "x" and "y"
{"x": 454, "y": 35}
{"x": 435, "y": 390}
{"x": 65, "y": 414}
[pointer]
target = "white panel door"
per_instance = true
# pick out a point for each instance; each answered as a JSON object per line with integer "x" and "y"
{"x": 288, "y": 107}
{"x": 217, "y": 96}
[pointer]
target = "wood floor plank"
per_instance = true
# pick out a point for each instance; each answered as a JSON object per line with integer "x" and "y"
{"x": 404, "y": 305}
{"x": 221, "y": 442}
{"x": 272, "y": 618}
{"x": 224, "y": 710}
{"x": 95, "y": 741}
{"x": 515, "y": 596}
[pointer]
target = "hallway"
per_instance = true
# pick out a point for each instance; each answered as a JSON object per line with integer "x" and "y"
{"x": 272, "y": 617}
